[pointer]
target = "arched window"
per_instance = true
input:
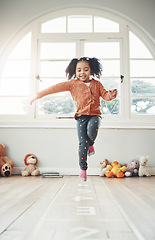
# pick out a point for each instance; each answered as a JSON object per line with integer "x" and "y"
{"x": 15, "y": 79}
{"x": 40, "y": 58}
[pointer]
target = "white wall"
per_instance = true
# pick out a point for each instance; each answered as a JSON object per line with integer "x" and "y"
{"x": 57, "y": 148}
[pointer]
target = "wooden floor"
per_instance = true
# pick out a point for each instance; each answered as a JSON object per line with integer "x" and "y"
{"x": 69, "y": 209}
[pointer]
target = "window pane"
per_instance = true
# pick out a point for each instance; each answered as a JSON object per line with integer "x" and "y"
{"x": 57, "y": 105}
{"x": 57, "y": 25}
{"x": 58, "y": 50}
{"x": 53, "y": 69}
{"x": 102, "y": 49}
{"x": 137, "y": 48}
{"x": 80, "y": 23}
{"x": 49, "y": 82}
{"x": 110, "y": 107}
{"x": 143, "y": 106}
{"x": 143, "y": 87}
{"x": 142, "y": 68}
{"x": 111, "y": 83}
{"x": 105, "y": 25}
{"x": 14, "y": 87}
{"x": 111, "y": 68}
{"x": 13, "y": 105}
{"x": 17, "y": 69}
{"x": 22, "y": 49}
{"x": 46, "y": 82}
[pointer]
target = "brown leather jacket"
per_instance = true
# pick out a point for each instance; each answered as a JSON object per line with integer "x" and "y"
{"x": 86, "y": 98}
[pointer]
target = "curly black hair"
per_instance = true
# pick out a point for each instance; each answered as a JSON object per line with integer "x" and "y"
{"x": 95, "y": 66}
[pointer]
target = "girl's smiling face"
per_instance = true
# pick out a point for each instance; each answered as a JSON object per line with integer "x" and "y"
{"x": 83, "y": 71}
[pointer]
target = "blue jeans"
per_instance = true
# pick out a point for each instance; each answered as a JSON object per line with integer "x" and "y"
{"x": 87, "y": 128}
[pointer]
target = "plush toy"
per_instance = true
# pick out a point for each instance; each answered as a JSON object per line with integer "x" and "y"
{"x": 31, "y": 168}
{"x": 104, "y": 168}
{"x": 144, "y": 170}
{"x": 132, "y": 168}
{"x": 6, "y": 164}
{"x": 115, "y": 170}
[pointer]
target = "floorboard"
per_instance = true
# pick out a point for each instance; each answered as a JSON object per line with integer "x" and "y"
{"x": 137, "y": 203}
{"x": 69, "y": 209}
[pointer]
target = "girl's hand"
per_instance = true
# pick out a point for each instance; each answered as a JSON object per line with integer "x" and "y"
{"x": 33, "y": 100}
{"x": 113, "y": 93}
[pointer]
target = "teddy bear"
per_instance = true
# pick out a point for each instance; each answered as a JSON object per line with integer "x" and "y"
{"x": 6, "y": 164}
{"x": 115, "y": 170}
{"x": 144, "y": 170}
{"x": 132, "y": 168}
{"x": 30, "y": 161}
{"x": 104, "y": 168}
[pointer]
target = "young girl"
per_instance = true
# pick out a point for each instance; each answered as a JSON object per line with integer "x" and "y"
{"x": 86, "y": 93}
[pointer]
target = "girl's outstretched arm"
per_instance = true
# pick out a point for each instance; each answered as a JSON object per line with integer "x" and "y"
{"x": 107, "y": 95}
{"x": 59, "y": 87}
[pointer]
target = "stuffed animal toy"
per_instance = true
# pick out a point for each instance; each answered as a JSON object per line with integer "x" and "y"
{"x": 115, "y": 170}
{"x": 144, "y": 170}
{"x": 132, "y": 168}
{"x": 6, "y": 164}
{"x": 31, "y": 168}
{"x": 104, "y": 168}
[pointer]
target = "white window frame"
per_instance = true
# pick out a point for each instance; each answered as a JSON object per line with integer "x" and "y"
{"x": 141, "y": 120}
{"x": 127, "y": 120}
{"x": 79, "y": 52}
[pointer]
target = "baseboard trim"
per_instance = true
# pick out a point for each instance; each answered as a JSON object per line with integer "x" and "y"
{"x": 64, "y": 171}
{"x": 69, "y": 171}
